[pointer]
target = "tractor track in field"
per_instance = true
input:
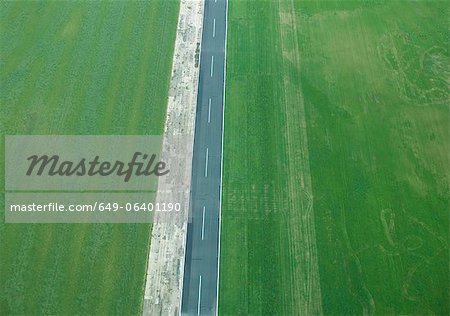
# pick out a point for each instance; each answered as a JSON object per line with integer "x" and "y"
{"x": 305, "y": 290}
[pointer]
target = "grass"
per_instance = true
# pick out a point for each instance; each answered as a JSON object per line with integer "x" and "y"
{"x": 80, "y": 68}
{"x": 353, "y": 96}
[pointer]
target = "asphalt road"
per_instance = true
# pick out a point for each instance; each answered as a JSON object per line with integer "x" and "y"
{"x": 202, "y": 245}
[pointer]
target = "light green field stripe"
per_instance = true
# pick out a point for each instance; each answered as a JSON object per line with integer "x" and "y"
{"x": 107, "y": 273}
{"x": 40, "y": 257}
{"x": 150, "y": 69}
{"x": 28, "y": 99}
{"x": 145, "y": 67}
{"x": 8, "y": 12}
{"x": 117, "y": 76}
{"x": 16, "y": 96}
{"x": 68, "y": 57}
{"x": 32, "y": 20}
{"x": 84, "y": 79}
{"x": 17, "y": 269}
{"x": 85, "y": 66}
{"x": 77, "y": 242}
{"x": 305, "y": 287}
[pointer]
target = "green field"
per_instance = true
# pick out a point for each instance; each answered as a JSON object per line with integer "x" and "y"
{"x": 80, "y": 68}
{"x": 336, "y": 158}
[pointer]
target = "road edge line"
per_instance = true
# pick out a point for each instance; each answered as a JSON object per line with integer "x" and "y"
{"x": 221, "y": 162}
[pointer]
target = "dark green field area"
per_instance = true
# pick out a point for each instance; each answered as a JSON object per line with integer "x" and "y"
{"x": 352, "y": 95}
{"x": 87, "y": 68}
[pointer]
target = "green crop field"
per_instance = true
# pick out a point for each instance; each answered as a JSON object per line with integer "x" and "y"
{"x": 336, "y": 158}
{"x": 88, "y": 68}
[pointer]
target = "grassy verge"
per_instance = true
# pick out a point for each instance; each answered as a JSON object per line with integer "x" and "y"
{"x": 86, "y": 68}
{"x": 369, "y": 78}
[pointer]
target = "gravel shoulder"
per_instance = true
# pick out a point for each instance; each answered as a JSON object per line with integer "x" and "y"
{"x": 167, "y": 249}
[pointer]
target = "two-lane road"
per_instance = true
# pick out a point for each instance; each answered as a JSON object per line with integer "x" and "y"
{"x": 200, "y": 281}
